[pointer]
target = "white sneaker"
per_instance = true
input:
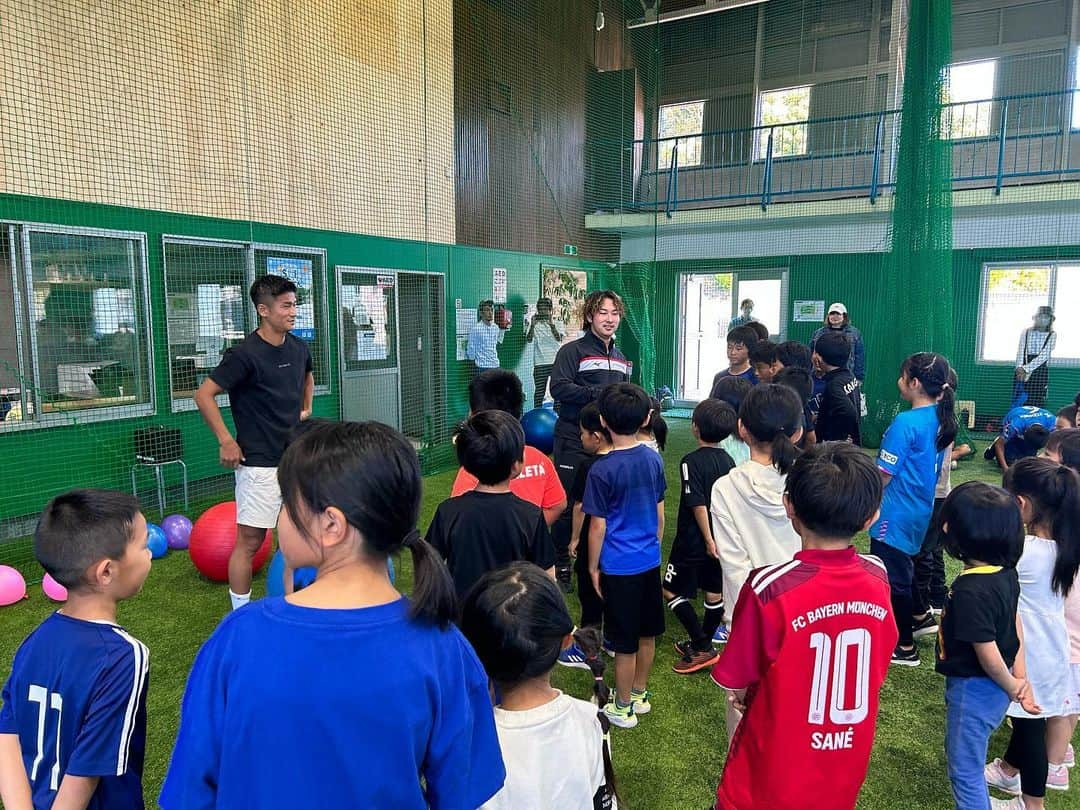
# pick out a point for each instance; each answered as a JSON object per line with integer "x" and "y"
{"x": 1070, "y": 757}
{"x": 997, "y": 778}
{"x": 1057, "y": 777}
{"x": 1015, "y": 803}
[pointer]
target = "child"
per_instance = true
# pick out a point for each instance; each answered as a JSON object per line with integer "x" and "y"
{"x": 653, "y": 434}
{"x": 1049, "y": 498}
{"x": 763, "y": 360}
{"x": 624, "y": 495}
{"x": 750, "y": 525}
{"x": 1063, "y": 446}
{"x": 810, "y": 647}
{"x": 791, "y": 353}
{"x": 74, "y": 713}
{"x": 1066, "y": 417}
{"x": 553, "y": 745}
{"x": 733, "y": 391}
{"x": 838, "y": 413}
{"x": 490, "y": 526}
{"x": 538, "y": 483}
{"x": 910, "y": 458}
{"x": 290, "y": 702}
{"x": 979, "y": 648}
{"x": 1024, "y": 432}
{"x": 799, "y": 380}
{"x": 739, "y": 342}
{"x": 693, "y": 560}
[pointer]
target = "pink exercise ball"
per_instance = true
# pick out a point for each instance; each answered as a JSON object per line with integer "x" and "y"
{"x": 53, "y": 589}
{"x": 12, "y": 586}
{"x": 213, "y": 538}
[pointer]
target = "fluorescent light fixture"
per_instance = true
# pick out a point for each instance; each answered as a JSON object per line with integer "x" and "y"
{"x": 708, "y": 7}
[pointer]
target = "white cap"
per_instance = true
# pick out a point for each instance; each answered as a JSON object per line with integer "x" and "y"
{"x": 837, "y": 307}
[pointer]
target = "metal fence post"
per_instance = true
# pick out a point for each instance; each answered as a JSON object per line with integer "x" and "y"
{"x": 1001, "y": 146}
{"x": 673, "y": 181}
{"x": 766, "y": 176}
{"x": 875, "y": 172}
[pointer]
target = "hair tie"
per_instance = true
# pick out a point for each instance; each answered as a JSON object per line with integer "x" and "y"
{"x": 410, "y": 540}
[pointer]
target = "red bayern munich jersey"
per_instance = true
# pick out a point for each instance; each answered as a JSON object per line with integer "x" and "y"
{"x": 811, "y": 642}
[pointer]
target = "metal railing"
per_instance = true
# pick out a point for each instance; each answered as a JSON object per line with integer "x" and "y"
{"x": 1000, "y": 141}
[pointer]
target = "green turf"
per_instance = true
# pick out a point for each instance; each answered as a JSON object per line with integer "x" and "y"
{"x": 673, "y": 758}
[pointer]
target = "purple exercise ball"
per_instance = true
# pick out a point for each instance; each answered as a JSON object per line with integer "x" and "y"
{"x": 177, "y": 530}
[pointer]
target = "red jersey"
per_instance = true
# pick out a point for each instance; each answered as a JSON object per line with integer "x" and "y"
{"x": 538, "y": 482}
{"x": 811, "y": 642}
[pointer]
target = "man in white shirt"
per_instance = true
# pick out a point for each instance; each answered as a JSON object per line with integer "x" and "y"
{"x": 546, "y": 336}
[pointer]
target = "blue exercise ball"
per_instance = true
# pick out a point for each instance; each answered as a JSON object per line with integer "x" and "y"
{"x": 275, "y": 576}
{"x": 539, "y": 425}
{"x": 156, "y": 541}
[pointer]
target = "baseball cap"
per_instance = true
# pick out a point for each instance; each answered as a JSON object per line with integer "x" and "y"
{"x": 838, "y": 307}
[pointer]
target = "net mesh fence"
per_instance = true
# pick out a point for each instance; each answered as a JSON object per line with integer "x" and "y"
{"x": 404, "y": 162}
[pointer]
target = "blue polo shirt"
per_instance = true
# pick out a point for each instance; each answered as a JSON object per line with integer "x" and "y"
{"x": 909, "y": 454}
{"x": 624, "y": 488}
{"x": 1016, "y": 422}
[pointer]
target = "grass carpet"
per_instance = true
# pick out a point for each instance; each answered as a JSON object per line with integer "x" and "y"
{"x": 673, "y": 758}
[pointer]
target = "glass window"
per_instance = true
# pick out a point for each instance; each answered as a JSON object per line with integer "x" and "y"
{"x": 789, "y": 107}
{"x": 11, "y": 368}
{"x": 1010, "y": 296}
{"x": 368, "y": 338}
{"x": 968, "y": 90}
{"x": 1066, "y": 292}
{"x": 307, "y": 270}
{"x": 682, "y": 121}
{"x": 1076, "y": 89}
{"x": 768, "y": 297}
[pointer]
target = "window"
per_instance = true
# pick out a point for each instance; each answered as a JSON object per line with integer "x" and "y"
{"x": 1076, "y": 90}
{"x": 1010, "y": 295}
{"x": 968, "y": 110}
{"x": 684, "y": 122}
{"x": 784, "y": 114}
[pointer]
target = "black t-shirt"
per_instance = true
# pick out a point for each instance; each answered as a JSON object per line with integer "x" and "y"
{"x": 838, "y": 415}
{"x": 981, "y": 606}
{"x": 477, "y": 532}
{"x": 699, "y": 470}
{"x": 266, "y": 392}
{"x": 577, "y": 495}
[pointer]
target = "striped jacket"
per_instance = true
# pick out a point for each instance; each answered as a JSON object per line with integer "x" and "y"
{"x": 582, "y": 369}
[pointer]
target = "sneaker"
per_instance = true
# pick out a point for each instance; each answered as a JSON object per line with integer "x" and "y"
{"x": 926, "y": 626}
{"x": 935, "y": 610}
{"x": 1070, "y": 757}
{"x": 1057, "y": 777}
{"x": 564, "y": 576}
{"x": 621, "y": 716}
{"x": 607, "y": 648}
{"x": 641, "y": 701}
{"x": 996, "y": 777}
{"x": 905, "y": 658}
{"x": 683, "y": 648}
{"x": 695, "y": 661}
{"x": 720, "y": 637}
{"x": 1015, "y": 803}
{"x": 572, "y": 656}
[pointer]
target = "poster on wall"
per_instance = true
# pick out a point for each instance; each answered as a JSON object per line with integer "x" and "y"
{"x": 498, "y": 285}
{"x": 298, "y": 271}
{"x": 809, "y": 312}
{"x": 463, "y": 323}
{"x": 567, "y": 290}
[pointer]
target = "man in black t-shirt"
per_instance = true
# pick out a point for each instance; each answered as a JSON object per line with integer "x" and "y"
{"x": 270, "y": 385}
{"x": 838, "y": 414}
{"x": 490, "y": 526}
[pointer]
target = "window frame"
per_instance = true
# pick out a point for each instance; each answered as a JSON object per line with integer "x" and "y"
{"x": 759, "y": 127}
{"x": 22, "y": 272}
{"x": 660, "y": 139}
{"x": 949, "y": 105}
{"x": 984, "y": 284}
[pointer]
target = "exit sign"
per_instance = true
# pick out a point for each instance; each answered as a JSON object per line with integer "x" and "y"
{"x": 569, "y": 250}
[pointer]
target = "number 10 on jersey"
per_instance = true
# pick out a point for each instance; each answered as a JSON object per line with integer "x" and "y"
{"x": 838, "y": 662}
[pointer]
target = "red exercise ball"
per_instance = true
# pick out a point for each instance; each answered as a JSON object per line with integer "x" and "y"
{"x": 213, "y": 538}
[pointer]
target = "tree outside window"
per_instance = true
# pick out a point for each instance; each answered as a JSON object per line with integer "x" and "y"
{"x": 968, "y": 88}
{"x": 789, "y": 107}
{"x": 683, "y": 121}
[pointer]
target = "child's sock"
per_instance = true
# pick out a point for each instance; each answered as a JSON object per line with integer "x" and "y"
{"x": 714, "y": 617}
{"x": 685, "y": 613}
{"x": 239, "y": 599}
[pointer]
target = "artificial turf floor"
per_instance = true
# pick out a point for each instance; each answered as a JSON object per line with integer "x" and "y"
{"x": 672, "y": 759}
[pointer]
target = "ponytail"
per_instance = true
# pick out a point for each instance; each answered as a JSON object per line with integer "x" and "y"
{"x": 946, "y": 413}
{"x": 1053, "y": 491}
{"x": 589, "y": 641}
{"x": 784, "y": 453}
{"x": 772, "y": 415}
{"x": 938, "y": 380}
{"x": 433, "y": 596}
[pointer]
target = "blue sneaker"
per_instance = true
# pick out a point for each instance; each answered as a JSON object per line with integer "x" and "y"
{"x": 720, "y": 636}
{"x": 572, "y": 656}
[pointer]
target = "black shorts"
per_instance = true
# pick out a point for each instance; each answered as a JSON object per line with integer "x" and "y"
{"x": 633, "y": 609}
{"x": 684, "y": 575}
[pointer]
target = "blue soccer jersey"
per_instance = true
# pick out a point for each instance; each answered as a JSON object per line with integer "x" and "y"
{"x": 290, "y": 706}
{"x": 76, "y": 699}
{"x": 1016, "y": 422}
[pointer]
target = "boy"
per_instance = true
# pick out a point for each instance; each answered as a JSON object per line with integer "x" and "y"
{"x": 763, "y": 360}
{"x": 498, "y": 390}
{"x": 74, "y": 713}
{"x": 270, "y": 386}
{"x": 624, "y": 496}
{"x": 838, "y": 413}
{"x": 693, "y": 560}
{"x": 739, "y": 343}
{"x": 490, "y": 526}
{"x": 733, "y": 391}
{"x": 1024, "y": 432}
{"x": 810, "y": 647}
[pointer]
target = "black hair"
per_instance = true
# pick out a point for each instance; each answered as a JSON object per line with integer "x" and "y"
{"x": 1067, "y": 444}
{"x": 792, "y": 354}
{"x": 732, "y": 390}
{"x": 1053, "y": 490}
{"x": 834, "y": 489}
{"x": 496, "y": 390}
{"x": 1036, "y": 437}
{"x": 764, "y": 351}
{"x": 372, "y": 474}
{"x": 593, "y": 302}
{"x": 798, "y": 380}
{"x": 657, "y": 426}
{"x": 744, "y": 335}
{"x": 624, "y": 407}
{"x": 1068, "y": 413}
{"x": 267, "y": 288}
{"x": 489, "y": 444}
{"x": 715, "y": 420}
{"x": 760, "y": 329}
{"x": 589, "y": 419}
{"x": 833, "y": 348}
{"x": 80, "y": 528}
{"x": 982, "y": 522}
{"x": 932, "y": 372}
{"x": 772, "y": 414}
{"x": 487, "y": 302}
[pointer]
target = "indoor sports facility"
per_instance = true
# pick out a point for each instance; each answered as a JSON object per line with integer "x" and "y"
{"x": 410, "y": 164}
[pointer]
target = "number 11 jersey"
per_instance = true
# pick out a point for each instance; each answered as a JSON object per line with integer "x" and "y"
{"x": 811, "y": 642}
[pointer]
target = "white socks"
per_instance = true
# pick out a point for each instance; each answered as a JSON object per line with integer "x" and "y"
{"x": 239, "y": 599}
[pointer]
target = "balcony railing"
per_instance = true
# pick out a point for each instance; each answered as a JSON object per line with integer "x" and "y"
{"x": 995, "y": 142}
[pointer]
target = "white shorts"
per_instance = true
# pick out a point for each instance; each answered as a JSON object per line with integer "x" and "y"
{"x": 258, "y": 498}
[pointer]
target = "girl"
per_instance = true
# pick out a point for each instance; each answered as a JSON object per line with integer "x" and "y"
{"x": 654, "y": 434}
{"x": 1049, "y": 498}
{"x": 911, "y": 455}
{"x": 290, "y": 702}
{"x": 979, "y": 648}
{"x": 1037, "y": 343}
{"x": 554, "y": 745}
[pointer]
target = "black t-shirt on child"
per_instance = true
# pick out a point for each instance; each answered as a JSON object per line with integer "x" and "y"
{"x": 838, "y": 415}
{"x": 477, "y": 532}
{"x": 980, "y": 607}
{"x": 698, "y": 471}
{"x": 266, "y": 392}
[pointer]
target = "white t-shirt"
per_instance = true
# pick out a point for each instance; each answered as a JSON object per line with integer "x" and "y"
{"x": 545, "y": 346}
{"x": 553, "y": 756}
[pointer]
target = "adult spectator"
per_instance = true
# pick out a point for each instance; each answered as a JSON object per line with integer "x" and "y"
{"x": 837, "y": 319}
{"x": 746, "y": 309}
{"x": 546, "y": 336}
{"x": 484, "y": 338}
{"x": 1033, "y": 357}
